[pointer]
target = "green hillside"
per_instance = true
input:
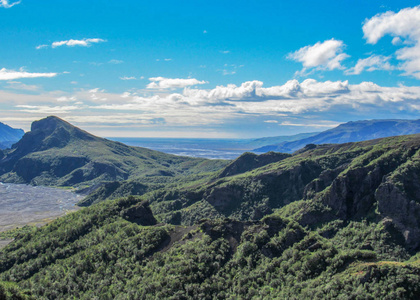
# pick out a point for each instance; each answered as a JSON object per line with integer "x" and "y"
{"x": 56, "y": 153}
{"x": 332, "y": 221}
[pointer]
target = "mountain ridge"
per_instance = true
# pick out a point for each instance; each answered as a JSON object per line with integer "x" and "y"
{"x": 9, "y": 135}
{"x": 57, "y": 153}
{"x": 353, "y": 131}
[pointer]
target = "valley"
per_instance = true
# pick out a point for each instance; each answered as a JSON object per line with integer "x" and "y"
{"x": 22, "y": 204}
{"x": 327, "y": 221}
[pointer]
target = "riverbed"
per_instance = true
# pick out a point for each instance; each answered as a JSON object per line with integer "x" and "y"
{"x": 22, "y": 204}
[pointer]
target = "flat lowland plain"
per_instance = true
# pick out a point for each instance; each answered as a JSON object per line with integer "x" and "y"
{"x": 22, "y": 204}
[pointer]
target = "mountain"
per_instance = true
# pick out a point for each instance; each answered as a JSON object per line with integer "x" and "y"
{"x": 57, "y": 153}
{"x": 9, "y": 135}
{"x": 252, "y": 144}
{"x": 328, "y": 222}
{"x": 350, "y": 132}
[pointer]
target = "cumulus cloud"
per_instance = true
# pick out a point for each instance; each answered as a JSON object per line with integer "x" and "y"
{"x": 12, "y": 75}
{"x": 404, "y": 26}
{"x": 255, "y": 92}
{"x": 128, "y": 78}
{"x": 66, "y": 99}
{"x": 293, "y": 103}
{"x": 172, "y": 83}
{"x": 327, "y": 55}
{"x": 73, "y": 43}
{"x": 6, "y": 4}
{"x": 372, "y": 63}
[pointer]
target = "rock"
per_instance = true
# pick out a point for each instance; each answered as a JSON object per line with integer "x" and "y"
{"x": 140, "y": 214}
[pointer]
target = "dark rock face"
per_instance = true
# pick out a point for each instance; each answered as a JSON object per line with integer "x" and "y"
{"x": 140, "y": 214}
{"x": 352, "y": 195}
{"x": 402, "y": 212}
{"x": 28, "y": 168}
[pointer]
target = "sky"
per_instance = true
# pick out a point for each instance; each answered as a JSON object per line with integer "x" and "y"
{"x": 208, "y": 69}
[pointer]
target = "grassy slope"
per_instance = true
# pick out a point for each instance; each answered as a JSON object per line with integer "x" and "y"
{"x": 57, "y": 153}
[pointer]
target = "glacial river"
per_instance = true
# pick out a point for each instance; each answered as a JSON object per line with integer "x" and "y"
{"x": 22, "y": 204}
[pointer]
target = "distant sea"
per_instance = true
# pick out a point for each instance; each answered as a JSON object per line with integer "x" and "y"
{"x": 204, "y": 148}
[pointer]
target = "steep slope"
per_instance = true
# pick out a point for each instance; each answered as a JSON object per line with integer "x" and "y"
{"x": 55, "y": 152}
{"x": 9, "y": 135}
{"x": 350, "y": 132}
{"x": 347, "y": 182}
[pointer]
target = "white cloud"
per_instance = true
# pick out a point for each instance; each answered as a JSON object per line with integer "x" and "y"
{"x": 172, "y": 83}
{"x": 42, "y": 109}
{"x": 326, "y": 55}
{"x": 115, "y": 61}
{"x": 404, "y": 26}
{"x": 6, "y": 4}
{"x": 293, "y": 104}
{"x": 16, "y": 85}
{"x": 66, "y": 99}
{"x": 372, "y": 63}
{"x": 125, "y": 95}
{"x": 128, "y": 78}
{"x": 41, "y": 47}
{"x": 97, "y": 90}
{"x": 12, "y": 75}
{"x": 72, "y": 43}
{"x": 225, "y": 51}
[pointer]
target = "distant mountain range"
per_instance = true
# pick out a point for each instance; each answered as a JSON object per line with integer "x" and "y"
{"x": 9, "y": 135}
{"x": 349, "y": 132}
{"x": 260, "y": 142}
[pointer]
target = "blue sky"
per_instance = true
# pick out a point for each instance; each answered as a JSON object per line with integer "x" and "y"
{"x": 234, "y": 69}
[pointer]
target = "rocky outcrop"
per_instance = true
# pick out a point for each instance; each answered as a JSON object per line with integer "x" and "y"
{"x": 401, "y": 211}
{"x": 140, "y": 214}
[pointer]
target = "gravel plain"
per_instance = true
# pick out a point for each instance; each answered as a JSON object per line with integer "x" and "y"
{"x": 22, "y": 204}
